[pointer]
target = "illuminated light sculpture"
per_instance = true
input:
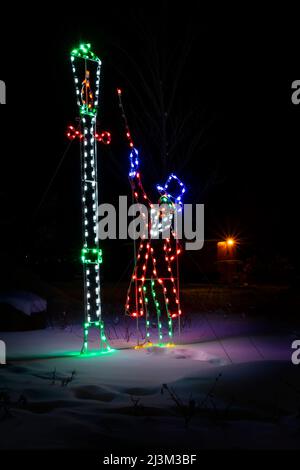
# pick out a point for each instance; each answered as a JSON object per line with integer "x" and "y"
{"x": 86, "y": 64}
{"x": 104, "y": 137}
{"x": 154, "y": 283}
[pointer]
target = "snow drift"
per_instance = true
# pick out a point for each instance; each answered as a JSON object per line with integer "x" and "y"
{"x": 21, "y": 310}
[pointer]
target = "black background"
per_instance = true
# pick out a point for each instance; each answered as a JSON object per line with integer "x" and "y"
{"x": 239, "y": 73}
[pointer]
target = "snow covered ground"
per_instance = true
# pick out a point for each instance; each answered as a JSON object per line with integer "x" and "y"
{"x": 228, "y": 383}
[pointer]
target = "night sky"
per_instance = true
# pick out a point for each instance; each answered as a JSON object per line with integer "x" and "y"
{"x": 235, "y": 81}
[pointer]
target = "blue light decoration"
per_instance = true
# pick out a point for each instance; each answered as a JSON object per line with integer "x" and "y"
{"x": 134, "y": 162}
{"x": 177, "y": 199}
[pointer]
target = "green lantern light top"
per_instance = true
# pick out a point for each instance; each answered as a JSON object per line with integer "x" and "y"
{"x": 87, "y": 87}
{"x": 84, "y": 52}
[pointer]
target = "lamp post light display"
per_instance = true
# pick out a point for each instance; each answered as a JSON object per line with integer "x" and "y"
{"x": 86, "y": 68}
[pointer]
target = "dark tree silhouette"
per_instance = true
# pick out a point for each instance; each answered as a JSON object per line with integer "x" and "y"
{"x": 164, "y": 108}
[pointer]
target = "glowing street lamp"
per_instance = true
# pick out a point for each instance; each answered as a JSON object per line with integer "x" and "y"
{"x": 226, "y": 248}
{"x": 227, "y": 260}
